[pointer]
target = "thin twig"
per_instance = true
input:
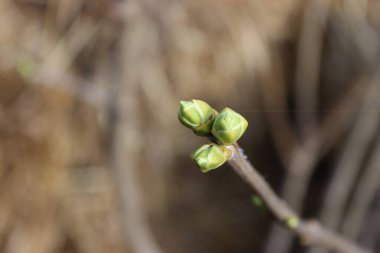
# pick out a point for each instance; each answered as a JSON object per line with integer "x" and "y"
{"x": 310, "y": 231}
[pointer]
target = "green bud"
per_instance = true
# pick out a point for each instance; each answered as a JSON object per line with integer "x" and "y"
{"x": 292, "y": 222}
{"x": 229, "y": 126}
{"x": 210, "y": 156}
{"x": 197, "y": 115}
{"x": 257, "y": 201}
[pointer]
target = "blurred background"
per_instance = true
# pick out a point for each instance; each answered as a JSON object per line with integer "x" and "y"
{"x": 93, "y": 159}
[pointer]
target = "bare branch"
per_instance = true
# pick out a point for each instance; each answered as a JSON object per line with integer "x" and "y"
{"x": 353, "y": 154}
{"x": 363, "y": 196}
{"x": 126, "y": 130}
{"x": 308, "y": 62}
{"x": 305, "y": 156}
{"x": 312, "y": 232}
{"x": 370, "y": 235}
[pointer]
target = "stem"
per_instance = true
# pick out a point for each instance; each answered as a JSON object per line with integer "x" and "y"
{"x": 310, "y": 231}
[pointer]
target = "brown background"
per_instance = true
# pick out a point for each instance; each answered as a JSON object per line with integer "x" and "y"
{"x": 93, "y": 159}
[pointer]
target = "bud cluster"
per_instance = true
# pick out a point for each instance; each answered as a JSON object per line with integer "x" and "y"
{"x": 226, "y": 127}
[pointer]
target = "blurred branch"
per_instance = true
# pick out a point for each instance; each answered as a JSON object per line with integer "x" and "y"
{"x": 125, "y": 131}
{"x": 305, "y": 156}
{"x": 347, "y": 170}
{"x": 138, "y": 233}
{"x": 318, "y": 142}
{"x": 309, "y": 53}
{"x": 370, "y": 235}
{"x": 312, "y": 231}
{"x": 273, "y": 91}
{"x": 78, "y": 36}
{"x": 363, "y": 196}
{"x": 362, "y": 135}
{"x": 353, "y": 154}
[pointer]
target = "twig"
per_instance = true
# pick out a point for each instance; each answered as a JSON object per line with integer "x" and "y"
{"x": 311, "y": 231}
{"x": 305, "y": 156}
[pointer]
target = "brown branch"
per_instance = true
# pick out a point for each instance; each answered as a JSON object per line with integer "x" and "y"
{"x": 363, "y": 196}
{"x": 305, "y": 156}
{"x": 274, "y": 93}
{"x": 309, "y": 231}
{"x": 352, "y": 157}
{"x": 369, "y": 236}
{"x": 309, "y": 54}
{"x": 124, "y": 130}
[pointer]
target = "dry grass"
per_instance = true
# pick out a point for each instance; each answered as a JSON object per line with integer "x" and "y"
{"x": 75, "y": 75}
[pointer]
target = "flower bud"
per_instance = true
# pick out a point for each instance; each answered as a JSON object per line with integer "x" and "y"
{"x": 197, "y": 115}
{"x": 229, "y": 126}
{"x": 210, "y": 156}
